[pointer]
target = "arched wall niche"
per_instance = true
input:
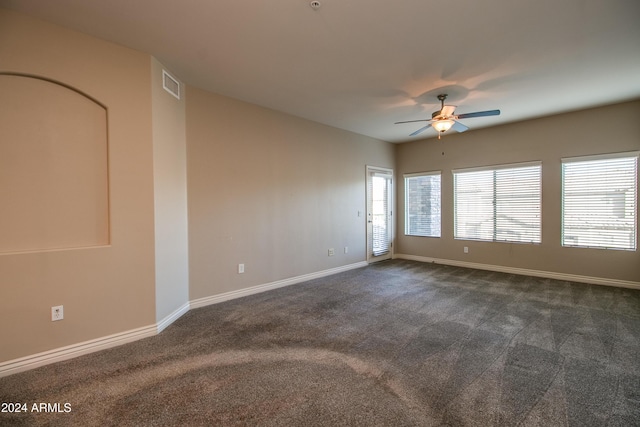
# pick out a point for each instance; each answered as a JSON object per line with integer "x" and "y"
{"x": 54, "y": 175}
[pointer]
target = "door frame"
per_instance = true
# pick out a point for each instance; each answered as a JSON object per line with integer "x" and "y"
{"x": 390, "y": 209}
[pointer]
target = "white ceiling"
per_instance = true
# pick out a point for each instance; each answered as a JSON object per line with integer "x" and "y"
{"x": 362, "y": 65}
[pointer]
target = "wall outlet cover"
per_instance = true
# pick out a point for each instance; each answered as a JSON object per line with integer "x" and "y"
{"x": 57, "y": 313}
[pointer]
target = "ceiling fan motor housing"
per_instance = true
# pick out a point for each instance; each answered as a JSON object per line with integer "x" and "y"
{"x": 441, "y": 98}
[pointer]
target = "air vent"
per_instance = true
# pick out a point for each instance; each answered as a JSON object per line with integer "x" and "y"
{"x": 170, "y": 84}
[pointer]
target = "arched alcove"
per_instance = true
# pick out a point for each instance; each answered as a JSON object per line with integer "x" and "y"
{"x": 53, "y": 166}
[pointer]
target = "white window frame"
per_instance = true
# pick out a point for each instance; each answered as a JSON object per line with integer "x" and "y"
{"x": 599, "y": 200}
{"x": 436, "y": 231}
{"x": 489, "y": 227}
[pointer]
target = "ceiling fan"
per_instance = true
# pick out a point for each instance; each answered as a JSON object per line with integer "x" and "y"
{"x": 444, "y": 119}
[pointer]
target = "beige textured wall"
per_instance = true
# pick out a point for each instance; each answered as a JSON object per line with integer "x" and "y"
{"x": 53, "y": 167}
{"x": 170, "y": 197}
{"x": 107, "y": 289}
{"x": 546, "y": 139}
{"x": 271, "y": 191}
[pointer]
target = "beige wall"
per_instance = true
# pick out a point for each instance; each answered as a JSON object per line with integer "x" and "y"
{"x": 170, "y": 197}
{"x": 548, "y": 140}
{"x": 271, "y": 191}
{"x": 53, "y": 167}
{"x": 106, "y": 289}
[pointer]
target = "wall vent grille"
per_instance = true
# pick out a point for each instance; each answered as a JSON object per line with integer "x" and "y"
{"x": 170, "y": 84}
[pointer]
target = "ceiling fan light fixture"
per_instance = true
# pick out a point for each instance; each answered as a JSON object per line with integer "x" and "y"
{"x": 443, "y": 125}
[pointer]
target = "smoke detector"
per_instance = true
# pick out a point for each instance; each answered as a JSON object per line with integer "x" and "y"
{"x": 315, "y": 4}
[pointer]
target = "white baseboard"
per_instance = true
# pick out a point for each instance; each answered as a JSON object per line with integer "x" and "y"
{"x": 69, "y": 352}
{"x": 215, "y": 299}
{"x": 162, "y": 325}
{"x": 64, "y": 353}
{"x": 526, "y": 272}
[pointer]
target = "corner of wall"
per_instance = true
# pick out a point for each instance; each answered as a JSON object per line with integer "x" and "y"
{"x": 170, "y": 193}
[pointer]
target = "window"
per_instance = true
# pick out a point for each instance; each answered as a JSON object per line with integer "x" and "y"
{"x": 599, "y": 201}
{"x": 498, "y": 203}
{"x": 422, "y": 204}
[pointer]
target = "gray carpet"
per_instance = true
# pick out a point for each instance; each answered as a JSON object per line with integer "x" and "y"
{"x": 398, "y": 343}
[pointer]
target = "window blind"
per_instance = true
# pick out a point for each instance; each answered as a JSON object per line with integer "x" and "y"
{"x": 498, "y": 203}
{"x": 379, "y": 209}
{"x": 599, "y": 201}
{"x": 422, "y": 204}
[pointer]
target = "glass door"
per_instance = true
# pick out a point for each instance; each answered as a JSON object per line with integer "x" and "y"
{"x": 379, "y": 213}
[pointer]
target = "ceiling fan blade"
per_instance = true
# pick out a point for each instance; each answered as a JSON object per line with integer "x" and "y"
{"x": 447, "y": 110}
{"x": 459, "y": 127}
{"x": 412, "y": 121}
{"x": 422, "y": 129}
{"x": 479, "y": 114}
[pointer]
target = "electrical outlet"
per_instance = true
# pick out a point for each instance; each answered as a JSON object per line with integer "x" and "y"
{"x": 240, "y": 268}
{"x": 466, "y": 250}
{"x": 346, "y": 249}
{"x": 57, "y": 313}
{"x": 332, "y": 252}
